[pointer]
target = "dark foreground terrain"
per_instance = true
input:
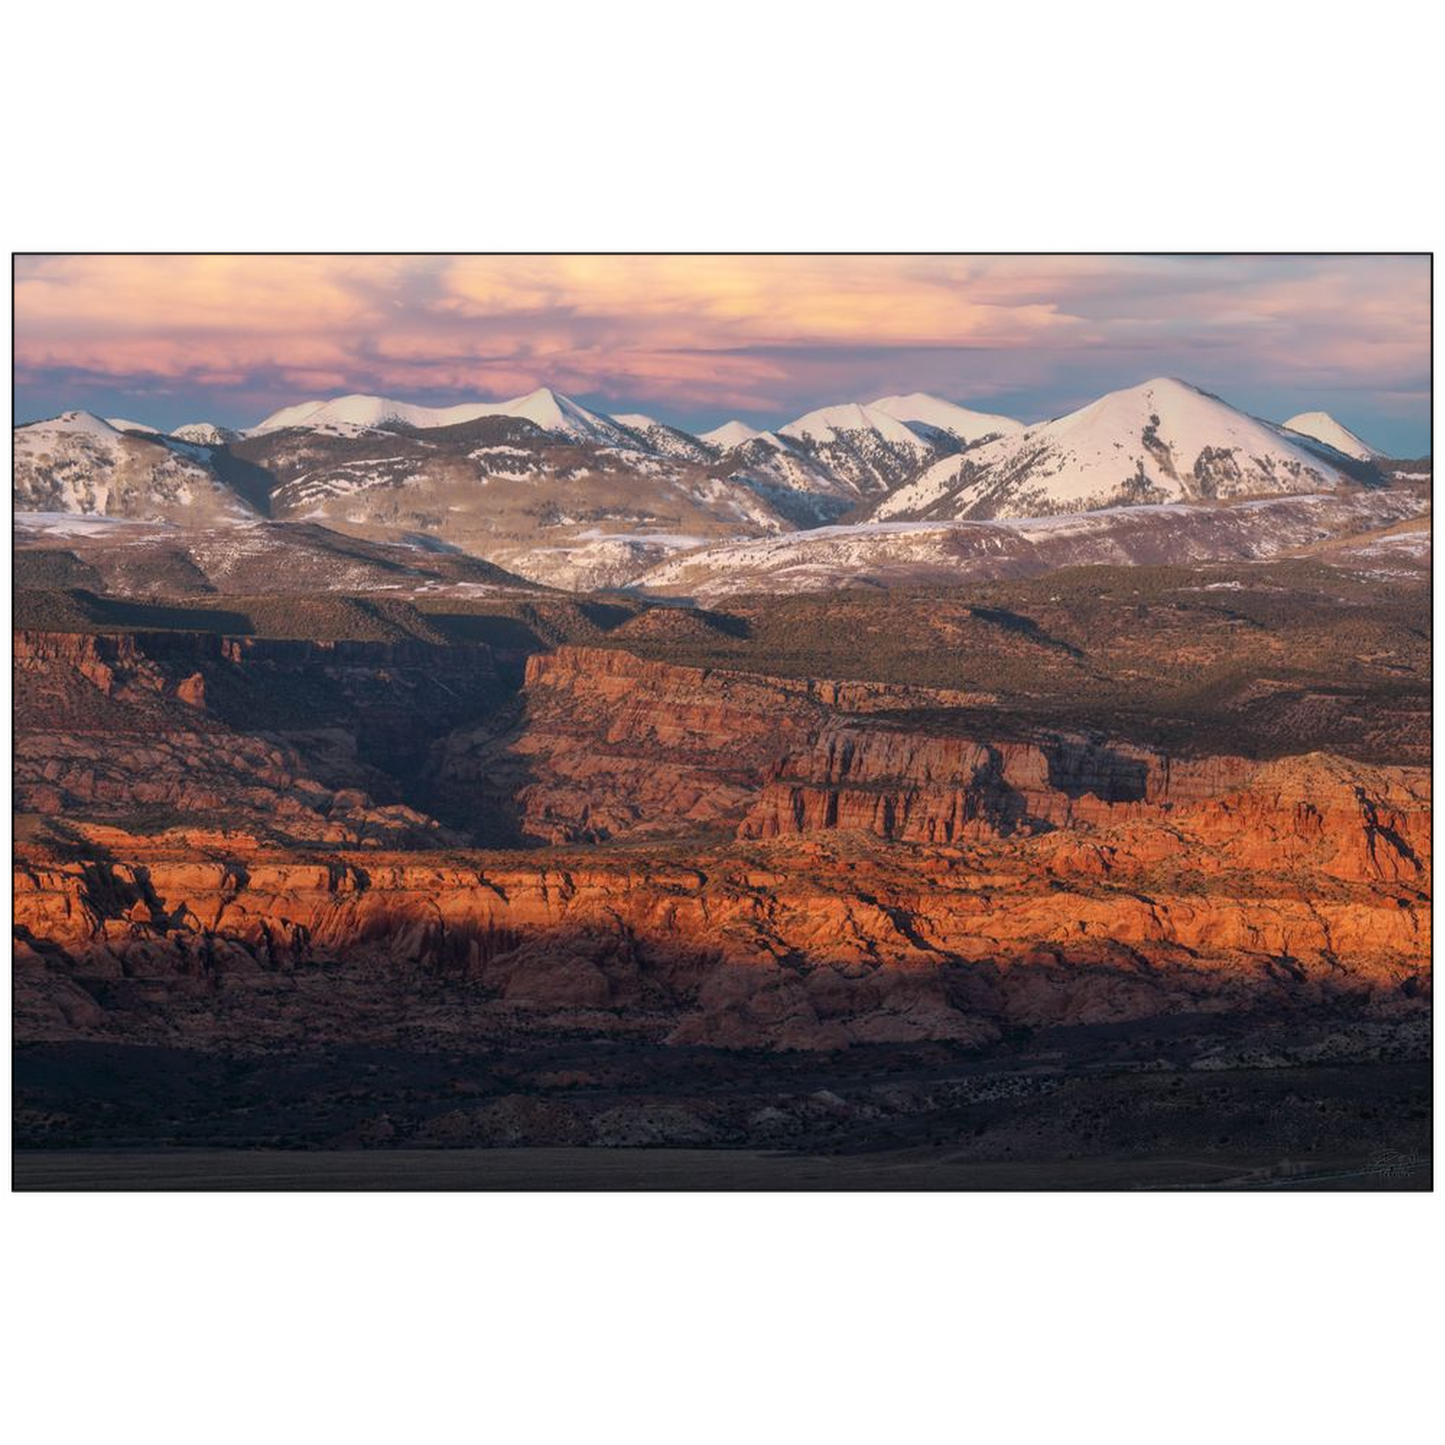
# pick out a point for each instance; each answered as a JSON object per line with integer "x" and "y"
{"x": 1182, "y": 1103}
{"x": 684, "y": 1169}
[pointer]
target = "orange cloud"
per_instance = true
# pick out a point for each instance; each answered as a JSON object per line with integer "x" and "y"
{"x": 126, "y": 294}
{"x": 714, "y": 301}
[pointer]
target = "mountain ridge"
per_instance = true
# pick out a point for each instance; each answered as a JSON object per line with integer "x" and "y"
{"x": 569, "y": 496}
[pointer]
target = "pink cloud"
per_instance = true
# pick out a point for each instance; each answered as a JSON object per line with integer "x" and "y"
{"x": 730, "y": 332}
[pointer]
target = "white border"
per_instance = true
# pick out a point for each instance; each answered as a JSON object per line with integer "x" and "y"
{"x": 630, "y": 126}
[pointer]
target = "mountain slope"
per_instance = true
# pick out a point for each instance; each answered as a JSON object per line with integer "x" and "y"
{"x": 568, "y": 496}
{"x": 868, "y": 452}
{"x": 939, "y": 553}
{"x": 1163, "y": 441}
{"x": 78, "y": 463}
{"x": 791, "y": 482}
{"x": 1322, "y": 427}
{"x": 665, "y": 440}
{"x": 125, "y": 558}
{"x": 558, "y": 510}
{"x": 968, "y": 426}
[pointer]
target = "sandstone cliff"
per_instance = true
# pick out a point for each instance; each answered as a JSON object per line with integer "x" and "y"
{"x": 793, "y": 863}
{"x": 306, "y": 740}
{"x": 1249, "y": 897}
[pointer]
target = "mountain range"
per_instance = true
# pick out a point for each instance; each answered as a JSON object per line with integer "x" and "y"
{"x": 566, "y": 495}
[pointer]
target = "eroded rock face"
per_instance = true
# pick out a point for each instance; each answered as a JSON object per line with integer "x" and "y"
{"x": 610, "y": 746}
{"x": 793, "y": 864}
{"x": 1259, "y": 893}
{"x": 299, "y": 738}
{"x": 920, "y": 788}
{"x": 614, "y": 746}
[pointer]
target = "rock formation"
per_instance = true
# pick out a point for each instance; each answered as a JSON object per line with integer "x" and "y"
{"x": 226, "y": 839}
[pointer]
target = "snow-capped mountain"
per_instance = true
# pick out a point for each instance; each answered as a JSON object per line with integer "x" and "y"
{"x": 958, "y": 421}
{"x": 333, "y": 416}
{"x": 78, "y": 463}
{"x": 1164, "y": 441}
{"x": 553, "y": 413}
{"x": 729, "y": 435}
{"x": 1320, "y": 426}
{"x": 121, "y": 424}
{"x": 760, "y": 444}
{"x": 561, "y": 416}
{"x": 816, "y": 468}
{"x": 205, "y": 434}
{"x": 867, "y": 451}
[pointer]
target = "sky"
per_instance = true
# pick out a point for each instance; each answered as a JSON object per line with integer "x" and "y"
{"x": 695, "y": 340}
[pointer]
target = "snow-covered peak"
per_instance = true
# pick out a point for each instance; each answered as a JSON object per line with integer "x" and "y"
{"x": 82, "y": 423}
{"x": 287, "y": 416}
{"x": 204, "y": 433}
{"x": 548, "y": 410}
{"x": 864, "y": 450}
{"x": 561, "y": 415}
{"x": 730, "y": 434}
{"x": 544, "y": 407}
{"x": 344, "y": 411}
{"x": 761, "y": 443}
{"x": 1185, "y": 417}
{"x": 959, "y": 421}
{"x": 828, "y": 423}
{"x": 1322, "y": 427}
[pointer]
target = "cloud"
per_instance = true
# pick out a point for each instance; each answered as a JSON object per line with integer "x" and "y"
{"x": 688, "y": 333}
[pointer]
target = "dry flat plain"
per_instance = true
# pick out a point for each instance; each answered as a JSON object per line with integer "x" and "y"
{"x": 681, "y": 1170}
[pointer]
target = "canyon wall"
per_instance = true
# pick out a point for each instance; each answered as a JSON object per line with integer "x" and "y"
{"x": 789, "y": 864}
{"x": 316, "y": 742}
{"x": 608, "y": 745}
{"x": 1251, "y": 898}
